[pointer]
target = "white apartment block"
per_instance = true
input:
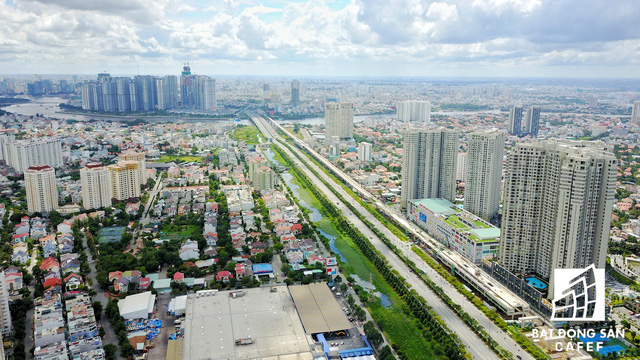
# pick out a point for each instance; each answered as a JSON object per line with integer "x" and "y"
{"x": 6, "y": 136}
{"x": 42, "y": 191}
{"x": 483, "y": 176}
{"x": 20, "y": 155}
{"x": 364, "y": 151}
{"x": 558, "y": 199}
{"x": 138, "y": 157}
{"x": 338, "y": 121}
{"x": 461, "y": 166}
{"x": 96, "y": 188}
{"x": 5, "y": 314}
{"x": 125, "y": 180}
{"x": 429, "y": 163}
{"x": 414, "y": 110}
{"x": 635, "y": 112}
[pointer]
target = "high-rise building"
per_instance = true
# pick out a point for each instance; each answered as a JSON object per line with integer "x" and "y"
{"x": 5, "y": 314}
{"x": 124, "y": 178}
{"x": 20, "y": 155}
{"x": 635, "y": 112}
{"x": 146, "y": 84}
{"x": 295, "y": 93}
{"x": 96, "y": 189}
{"x": 7, "y": 136}
{"x": 515, "y": 120}
{"x": 142, "y": 93}
{"x": 338, "y": 121}
{"x": 197, "y": 92}
{"x": 167, "y": 88}
{"x": 484, "y": 173}
{"x": 364, "y": 151}
{"x": 265, "y": 178}
{"x": 429, "y": 160}
{"x": 414, "y": 110}
{"x": 533, "y": 120}
{"x": 41, "y": 188}
{"x": 139, "y": 158}
{"x": 558, "y": 199}
{"x": 461, "y": 166}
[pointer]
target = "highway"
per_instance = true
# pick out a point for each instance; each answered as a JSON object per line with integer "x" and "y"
{"x": 472, "y": 342}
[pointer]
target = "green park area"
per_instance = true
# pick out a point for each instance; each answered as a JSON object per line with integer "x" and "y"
{"x": 248, "y": 134}
{"x": 180, "y": 232}
{"x": 180, "y": 159}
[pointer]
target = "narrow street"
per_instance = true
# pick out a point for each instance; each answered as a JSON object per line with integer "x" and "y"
{"x": 110, "y": 337}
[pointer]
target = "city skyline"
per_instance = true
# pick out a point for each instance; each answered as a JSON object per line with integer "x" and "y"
{"x": 323, "y": 38}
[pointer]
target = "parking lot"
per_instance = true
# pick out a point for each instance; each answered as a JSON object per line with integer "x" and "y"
{"x": 159, "y": 351}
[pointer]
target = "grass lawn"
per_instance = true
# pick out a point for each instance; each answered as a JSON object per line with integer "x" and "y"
{"x": 248, "y": 134}
{"x": 184, "y": 232}
{"x": 176, "y": 158}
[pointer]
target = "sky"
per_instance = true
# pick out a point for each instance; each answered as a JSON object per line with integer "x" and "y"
{"x": 505, "y": 38}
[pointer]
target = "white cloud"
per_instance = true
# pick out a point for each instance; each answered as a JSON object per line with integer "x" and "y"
{"x": 223, "y": 34}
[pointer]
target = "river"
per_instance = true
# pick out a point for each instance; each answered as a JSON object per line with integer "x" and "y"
{"x": 48, "y": 106}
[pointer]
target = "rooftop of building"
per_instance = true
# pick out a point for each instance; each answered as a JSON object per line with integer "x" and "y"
{"x": 215, "y": 320}
{"x": 460, "y": 219}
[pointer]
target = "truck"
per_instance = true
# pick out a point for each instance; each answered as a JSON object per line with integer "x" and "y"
{"x": 244, "y": 341}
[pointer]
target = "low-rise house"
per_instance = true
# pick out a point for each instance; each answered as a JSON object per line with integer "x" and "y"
{"x": 20, "y": 253}
{"x": 20, "y": 237}
{"x": 65, "y": 227}
{"x": 121, "y": 285}
{"x": 211, "y": 238}
{"x": 73, "y": 281}
{"x": 22, "y": 228}
{"x": 210, "y": 252}
{"x": 50, "y": 264}
{"x": 224, "y": 276}
{"x": 49, "y": 249}
{"x": 38, "y": 231}
{"x": 13, "y": 278}
{"x": 65, "y": 247}
{"x": 189, "y": 250}
{"x": 52, "y": 282}
{"x": 71, "y": 266}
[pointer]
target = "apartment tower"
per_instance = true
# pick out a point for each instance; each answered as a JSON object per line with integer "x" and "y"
{"x": 96, "y": 188}
{"x": 5, "y": 314}
{"x": 515, "y": 120}
{"x": 40, "y": 185}
{"x": 484, "y": 173}
{"x": 414, "y": 110}
{"x": 124, "y": 178}
{"x": 364, "y": 151}
{"x": 533, "y": 120}
{"x": 295, "y": 93}
{"x": 138, "y": 157}
{"x": 635, "y": 112}
{"x": 461, "y": 167}
{"x": 338, "y": 121}
{"x": 429, "y": 159}
{"x": 558, "y": 199}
